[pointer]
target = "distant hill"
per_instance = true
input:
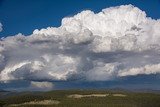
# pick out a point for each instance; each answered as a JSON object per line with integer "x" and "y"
{"x": 5, "y": 93}
{"x": 3, "y": 90}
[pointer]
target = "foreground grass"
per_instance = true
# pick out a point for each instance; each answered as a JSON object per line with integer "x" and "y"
{"x": 112, "y": 99}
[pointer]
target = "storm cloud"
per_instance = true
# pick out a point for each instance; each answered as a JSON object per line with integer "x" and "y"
{"x": 116, "y": 42}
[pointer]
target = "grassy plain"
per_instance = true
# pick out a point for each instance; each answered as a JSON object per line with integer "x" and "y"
{"x": 87, "y": 98}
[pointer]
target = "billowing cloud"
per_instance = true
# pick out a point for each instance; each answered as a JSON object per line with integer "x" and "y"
{"x": 1, "y": 27}
{"x": 116, "y": 42}
{"x": 147, "y": 69}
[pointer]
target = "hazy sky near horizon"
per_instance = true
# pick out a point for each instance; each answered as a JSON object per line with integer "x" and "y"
{"x": 63, "y": 44}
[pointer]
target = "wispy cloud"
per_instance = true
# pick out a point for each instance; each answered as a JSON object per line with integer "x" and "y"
{"x": 41, "y": 85}
{"x": 1, "y": 27}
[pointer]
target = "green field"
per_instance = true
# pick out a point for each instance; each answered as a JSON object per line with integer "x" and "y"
{"x": 86, "y": 98}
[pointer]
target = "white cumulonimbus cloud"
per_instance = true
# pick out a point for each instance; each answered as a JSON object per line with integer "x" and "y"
{"x": 116, "y": 42}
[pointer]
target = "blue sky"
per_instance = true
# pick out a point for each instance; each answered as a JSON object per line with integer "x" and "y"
{"x": 23, "y": 16}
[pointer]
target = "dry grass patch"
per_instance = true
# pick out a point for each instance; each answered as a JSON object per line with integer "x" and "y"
{"x": 44, "y": 102}
{"x": 90, "y": 95}
{"x": 119, "y": 95}
{"x": 94, "y": 95}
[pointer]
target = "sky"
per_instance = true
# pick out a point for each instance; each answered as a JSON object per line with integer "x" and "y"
{"x": 19, "y": 16}
{"x": 70, "y": 44}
